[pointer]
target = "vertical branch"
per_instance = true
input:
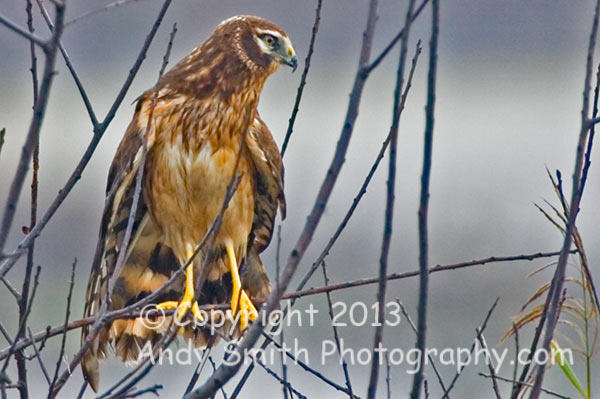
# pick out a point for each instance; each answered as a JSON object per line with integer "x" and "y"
{"x": 23, "y": 311}
{"x": 424, "y": 199}
{"x": 559, "y": 275}
{"x": 281, "y": 335}
{"x": 39, "y": 110}
{"x": 590, "y": 143}
{"x": 515, "y": 384}
{"x": 389, "y": 208}
{"x": 311, "y": 47}
{"x": 2, "y": 134}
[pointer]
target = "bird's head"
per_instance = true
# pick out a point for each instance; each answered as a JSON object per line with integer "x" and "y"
{"x": 260, "y": 43}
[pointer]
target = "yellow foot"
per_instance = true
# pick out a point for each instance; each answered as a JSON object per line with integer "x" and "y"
{"x": 247, "y": 309}
{"x": 188, "y": 301}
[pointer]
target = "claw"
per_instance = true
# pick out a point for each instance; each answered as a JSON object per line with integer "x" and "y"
{"x": 238, "y": 295}
{"x": 188, "y": 301}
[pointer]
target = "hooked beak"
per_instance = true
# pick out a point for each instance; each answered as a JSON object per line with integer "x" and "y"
{"x": 289, "y": 58}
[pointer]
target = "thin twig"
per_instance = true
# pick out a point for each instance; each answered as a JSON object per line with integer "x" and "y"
{"x": 281, "y": 334}
{"x": 34, "y": 128}
{"x": 590, "y": 142}
{"x": 307, "y": 368}
{"x": 549, "y": 392}
{"x": 129, "y": 395}
{"x": 40, "y": 360}
{"x": 517, "y": 351}
{"x": 278, "y": 378}
{"x": 214, "y": 367}
{"x": 377, "y": 60}
{"x": 29, "y": 36}
{"x": 98, "y": 10}
{"x": 481, "y": 330}
{"x": 388, "y": 380}
{"x": 64, "y": 335}
{"x": 165, "y": 60}
{"x": 336, "y": 334}
{"x": 576, "y": 195}
{"x": 2, "y": 134}
{"x": 389, "y": 207}
{"x": 484, "y": 346}
{"x": 424, "y": 197}
{"x": 414, "y": 328}
{"x": 74, "y": 75}
{"x": 145, "y": 365}
{"x": 23, "y": 303}
{"x": 311, "y": 48}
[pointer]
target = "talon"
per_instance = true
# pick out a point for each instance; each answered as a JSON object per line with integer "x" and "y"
{"x": 188, "y": 301}
{"x": 238, "y": 295}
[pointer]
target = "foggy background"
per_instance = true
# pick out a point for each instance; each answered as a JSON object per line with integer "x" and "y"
{"x": 510, "y": 78}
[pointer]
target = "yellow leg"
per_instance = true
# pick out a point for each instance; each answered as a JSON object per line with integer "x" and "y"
{"x": 247, "y": 309}
{"x": 188, "y": 301}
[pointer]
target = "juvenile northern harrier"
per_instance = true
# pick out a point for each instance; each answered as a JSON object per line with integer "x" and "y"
{"x": 195, "y": 121}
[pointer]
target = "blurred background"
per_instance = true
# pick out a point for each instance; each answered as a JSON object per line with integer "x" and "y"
{"x": 510, "y": 78}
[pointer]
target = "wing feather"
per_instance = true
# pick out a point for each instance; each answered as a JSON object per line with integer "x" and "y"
{"x": 268, "y": 191}
{"x": 119, "y": 199}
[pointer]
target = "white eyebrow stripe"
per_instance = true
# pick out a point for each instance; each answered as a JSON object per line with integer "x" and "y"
{"x": 270, "y": 32}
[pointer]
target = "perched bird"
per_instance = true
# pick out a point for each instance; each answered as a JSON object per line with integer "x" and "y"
{"x": 193, "y": 123}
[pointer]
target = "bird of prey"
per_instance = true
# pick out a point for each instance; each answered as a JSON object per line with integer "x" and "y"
{"x": 197, "y": 125}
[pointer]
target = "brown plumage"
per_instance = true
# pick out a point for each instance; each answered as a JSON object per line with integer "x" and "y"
{"x": 195, "y": 121}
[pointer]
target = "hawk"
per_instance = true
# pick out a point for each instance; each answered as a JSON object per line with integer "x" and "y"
{"x": 194, "y": 123}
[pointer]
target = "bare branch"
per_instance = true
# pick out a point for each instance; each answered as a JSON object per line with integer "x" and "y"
{"x": 424, "y": 198}
{"x": 481, "y": 329}
{"x": 549, "y": 392}
{"x": 307, "y": 368}
{"x": 82, "y": 92}
{"x": 279, "y": 379}
{"x": 389, "y": 208}
{"x": 64, "y": 335}
{"x": 559, "y": 274}
{"x": 393, "y": 42}
{"x": 40, "y": 360}
{"x": 311, "y": 47}
{"x": 2, "y": 134}
{"x": 336, "y": 334}
{"x": 23, "y": 303}
{"x": 98, "y": 11}
{"x": 34, "y": 128}
{"x": 483, "y": 344}
{"x": 517, "y": 351}
{"x": 29, "y": 36}
{"x": 414, "y": 328}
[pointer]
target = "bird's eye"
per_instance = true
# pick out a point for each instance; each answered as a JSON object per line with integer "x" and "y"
{"x": 269, "y": 39}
